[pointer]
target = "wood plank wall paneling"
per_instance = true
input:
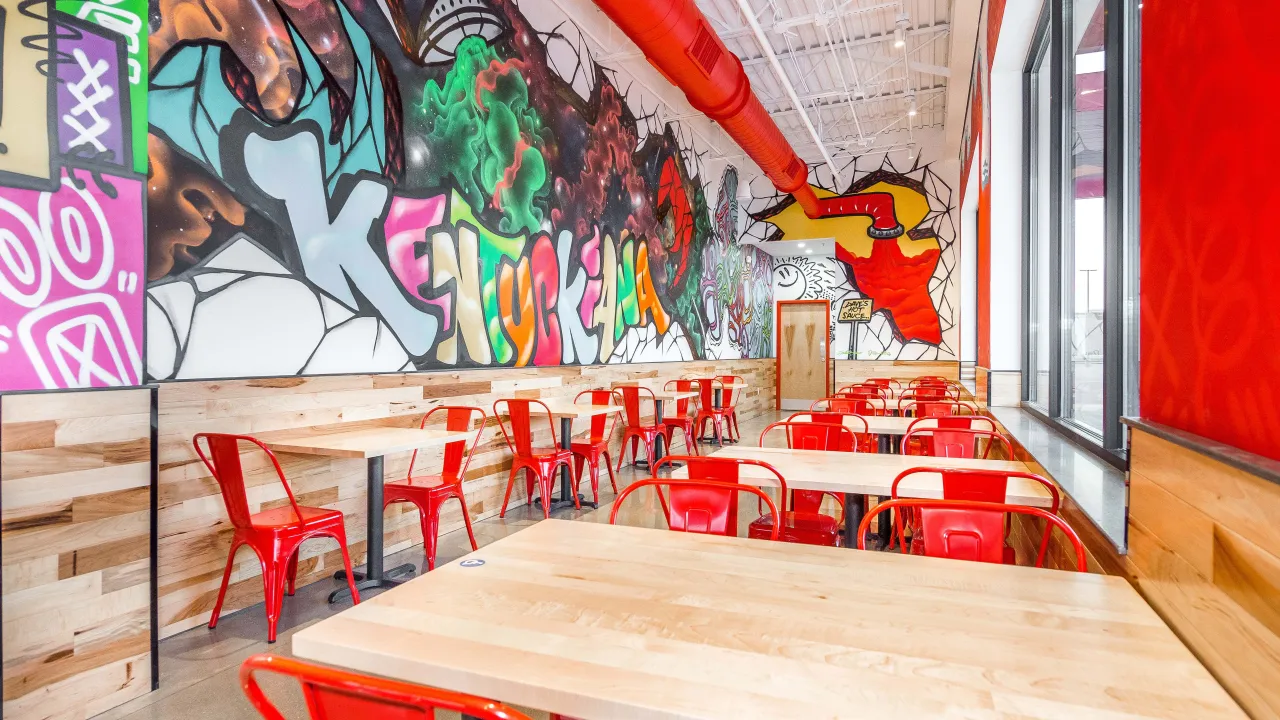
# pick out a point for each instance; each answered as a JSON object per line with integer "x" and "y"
{"x": 1204, "y": 549}
{"x": 854, "y": 371}
{"x": 75, "y": 478}
{"x": 194, "y": 532}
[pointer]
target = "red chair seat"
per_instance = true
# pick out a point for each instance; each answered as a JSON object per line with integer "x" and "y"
{"x": 550, "y": 453}
{"x": 798, "y": 527}
{"x": 284, "y": 517}
{"x": 423, "y": 483}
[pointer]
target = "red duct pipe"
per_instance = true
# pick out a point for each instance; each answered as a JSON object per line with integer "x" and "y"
{"x": 678, "y": 41}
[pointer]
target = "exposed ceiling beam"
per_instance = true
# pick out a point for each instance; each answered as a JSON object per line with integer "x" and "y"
{"x": 812, "y": 100}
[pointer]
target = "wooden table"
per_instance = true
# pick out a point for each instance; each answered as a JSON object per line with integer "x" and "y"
{"x": 856, "y": 475}
{"x": 567, "y": 411}
{"x": 598, "y": 622}
{"x": 659, "y": 397}
{"x": 371, "y": 444}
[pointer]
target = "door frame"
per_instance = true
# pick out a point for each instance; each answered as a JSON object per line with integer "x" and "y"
{"x": 777, "y": 347}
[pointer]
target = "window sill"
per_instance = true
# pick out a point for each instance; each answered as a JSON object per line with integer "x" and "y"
{"x": 1097, "y": 487}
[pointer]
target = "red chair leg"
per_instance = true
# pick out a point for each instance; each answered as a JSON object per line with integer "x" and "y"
{"x": 466, "y": 518}
{"x": 609, "y": 466}
{"x": 577, "y": 479}
{"x": 544, "y": 490}
{"x": 341, "y": 536}
{"x": 431, "y": 532}
{"x": 593, "y": 467}
{"x": 222, "y": 592}
{"x": 578, "y": 461}
{"x": 292, "y": 572}
{"x": 511, "y": 481}
{"x": 272, "y": 587}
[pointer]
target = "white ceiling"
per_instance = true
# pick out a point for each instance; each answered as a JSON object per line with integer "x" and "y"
{"x": 840, "y": 58}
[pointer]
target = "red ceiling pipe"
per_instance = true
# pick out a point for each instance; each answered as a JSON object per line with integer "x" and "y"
{"x": 679, "y": 42}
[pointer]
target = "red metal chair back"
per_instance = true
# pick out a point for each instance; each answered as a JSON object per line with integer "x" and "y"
{"x": 926, "y": 379}
{"x": 520, "y": 412}
{"x": 631, "y": 395}
{"x": 933, "y": 408}
{"x": 863, "y": 438}
{"x": 719, "y": 469}
{"x": 223, "y": 462}
{"x": 863, "y": 391}
{"x": 598, "y": 422}
{"x": 456, "y": 455}
{"x": 884, "y": 382}
{"x": 333, "y": 694}
{"x": 971, "y": 530}
{"x": 682, "y": 405}
{"x": 706, "y": 391}
{"x": 953, "y": 442}
{"x": 700, "y": 506}
{"x": 981, "y": 485}
{"x": 727, "y": 396}
{"x": 813, "y": 435}
{"x": 961, "y": 422}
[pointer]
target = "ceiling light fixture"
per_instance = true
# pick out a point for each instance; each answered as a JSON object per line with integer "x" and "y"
{"x": 912, "y": 110}
{"x": 799, "y": 244}
{"x": 900, "y": 31}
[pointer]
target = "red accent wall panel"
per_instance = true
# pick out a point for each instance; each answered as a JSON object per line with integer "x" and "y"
{"x": 1210, "y": 288}
{"x": 984, "y": 275}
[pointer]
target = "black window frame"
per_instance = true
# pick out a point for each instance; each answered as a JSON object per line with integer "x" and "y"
{"x": 1120, "y": 176}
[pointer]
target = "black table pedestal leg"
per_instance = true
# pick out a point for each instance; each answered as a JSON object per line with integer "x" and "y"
{"x": 855, "y": 506}
{"x": 374, "y": 576}
{"x": 566, "y": 474}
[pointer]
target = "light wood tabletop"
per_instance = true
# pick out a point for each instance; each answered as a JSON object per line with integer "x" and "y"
{"x": 660, "y": 393}
{"x": 871, "y": 473}
{"x": 563, "y": 408}
{"x": 598, "y": 622}
{"x": 364, "y": 442}
{"x": 878, "y": 424}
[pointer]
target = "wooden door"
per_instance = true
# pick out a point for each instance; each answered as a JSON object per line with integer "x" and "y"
{"x": 802, "y": 352}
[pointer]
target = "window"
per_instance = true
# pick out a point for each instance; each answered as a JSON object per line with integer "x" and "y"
{"x": 1039, "y": 149}
{"x": 1080, "y": 98}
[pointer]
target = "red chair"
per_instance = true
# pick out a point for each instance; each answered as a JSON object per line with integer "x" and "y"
{"x": 910, "y": 406}
{"x": 333, "y": 694}
{"x": 275, "y": 535}
{"x": 885, "y": 383}
{"x": 539, "y": 463}
{"x": 698, "y": 506}
{"x": 866, "y": 441}
{"x": 926, "y": 380}
{"x": 965, "y": 422}
{"x": 707, "y": 410}
{"x": 990, "y": 486}
{"x": 589, "y": 452}
{"x": 809, "y": 528}
{"x": 953, "y": 443}
{"x": 853, "y": 406}
{"x": 961, "y": 529}
{"x": 729, "y": 401}
{"x": 634, "y": 428}
{"x": 864, "y": 389}
{"x": 428, "y": 492}
{"x": 681, "y": 421}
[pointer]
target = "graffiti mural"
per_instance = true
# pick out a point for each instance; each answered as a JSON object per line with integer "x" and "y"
{"x": 911, "y": 279}
{"x": 72, "y": 250}
{"x": 408, "y": 185}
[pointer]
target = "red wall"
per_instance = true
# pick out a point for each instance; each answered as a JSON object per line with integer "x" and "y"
{"x": 1210, "y": 289}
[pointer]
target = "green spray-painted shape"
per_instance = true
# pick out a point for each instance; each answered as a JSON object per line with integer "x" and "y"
{"x": 493, "y": 249}
{"x": 628, "y": 312}
{"x": 485, "y": 136}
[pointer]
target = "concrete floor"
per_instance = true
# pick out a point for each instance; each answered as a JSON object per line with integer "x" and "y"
{"x": 199, "y": 669}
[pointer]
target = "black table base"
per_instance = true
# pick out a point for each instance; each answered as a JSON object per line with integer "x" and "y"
{"x": 566, "y": 474}
{"x": 374, "y": 577}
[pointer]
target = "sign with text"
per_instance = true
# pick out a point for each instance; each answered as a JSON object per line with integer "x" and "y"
{"x": 855, "y": 310}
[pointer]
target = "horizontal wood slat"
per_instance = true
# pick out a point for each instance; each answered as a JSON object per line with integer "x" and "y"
{"x": 1204, "y": 549}
{"x": 75, "y": 483}
{"x": 195, "y": 534}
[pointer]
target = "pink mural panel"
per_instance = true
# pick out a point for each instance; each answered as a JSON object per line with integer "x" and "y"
{"x": 71, "y": 284}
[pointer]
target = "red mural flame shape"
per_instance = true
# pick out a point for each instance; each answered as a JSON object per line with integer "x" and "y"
{"x": 899, "y": 284}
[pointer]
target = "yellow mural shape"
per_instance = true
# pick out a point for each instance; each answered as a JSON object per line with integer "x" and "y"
{"x": 850, "y": 231}
{"x": 24, "y": 129}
